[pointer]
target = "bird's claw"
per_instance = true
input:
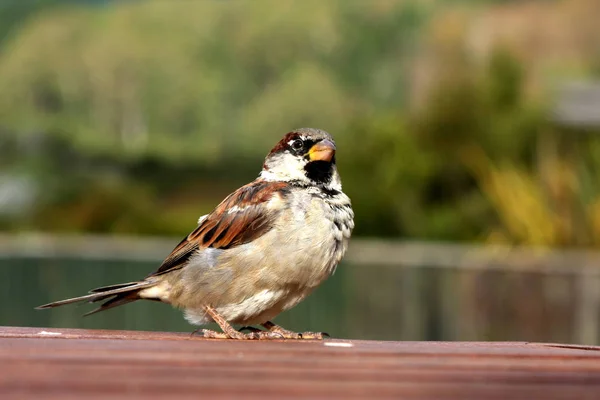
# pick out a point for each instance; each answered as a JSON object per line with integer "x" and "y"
{"x": 313, "y": 335}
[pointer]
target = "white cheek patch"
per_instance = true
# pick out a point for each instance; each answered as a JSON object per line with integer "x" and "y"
{"x": 268, "y": 176}
{"x": 285, "y": 167}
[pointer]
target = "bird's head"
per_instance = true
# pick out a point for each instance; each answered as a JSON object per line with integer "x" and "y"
{"x": 304, "y": 156}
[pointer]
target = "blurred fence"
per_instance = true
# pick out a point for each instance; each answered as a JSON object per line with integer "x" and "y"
{"x": 582, "y": 266}
{"x": 400, "y": 290}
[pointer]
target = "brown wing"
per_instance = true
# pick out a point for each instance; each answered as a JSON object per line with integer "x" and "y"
{"x": 243, "y": 216}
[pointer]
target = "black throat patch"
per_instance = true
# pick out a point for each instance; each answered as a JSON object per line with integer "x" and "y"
{"x": 319, "y": 172}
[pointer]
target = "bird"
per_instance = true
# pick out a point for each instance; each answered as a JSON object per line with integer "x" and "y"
{"x": 260, "y": 252}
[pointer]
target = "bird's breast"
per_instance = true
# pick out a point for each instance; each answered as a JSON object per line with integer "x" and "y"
{"x": 312, "y": 237}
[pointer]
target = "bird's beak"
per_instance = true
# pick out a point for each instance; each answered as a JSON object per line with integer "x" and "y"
{"x": 322, "y": 151}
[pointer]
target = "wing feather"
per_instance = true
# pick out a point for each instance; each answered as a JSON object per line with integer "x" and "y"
{"x": 243, "y": 216}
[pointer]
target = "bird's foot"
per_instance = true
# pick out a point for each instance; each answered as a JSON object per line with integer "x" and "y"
{"x": 261, "y": 335}
{"x": 196, "y": 331}
{"x": 210, "y": 334}
{"x": 286, "y": 334}
{"x": 230, "y": 333}
{"x": 313, "y": 335}
{"x": 254, "y": 335}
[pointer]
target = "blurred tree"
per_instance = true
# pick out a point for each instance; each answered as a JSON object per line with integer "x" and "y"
{"x": 140, "y": 116}
{"x": 14, "y": 12}
{"x": 119, "y": 87}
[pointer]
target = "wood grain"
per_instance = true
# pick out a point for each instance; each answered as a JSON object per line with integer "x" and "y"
{"x": 68, "y": 364}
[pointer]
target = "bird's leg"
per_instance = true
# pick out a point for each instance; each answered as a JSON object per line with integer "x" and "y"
{"x": 285, "y": 334}
{"x": 229, "y": 331}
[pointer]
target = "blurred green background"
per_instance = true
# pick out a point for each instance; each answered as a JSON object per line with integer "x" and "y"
{"x": 136, "y": 117}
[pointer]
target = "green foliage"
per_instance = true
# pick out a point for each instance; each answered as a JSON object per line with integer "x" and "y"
{"x": 135, "y": 83}
{"x": 139, "y": 116}
{"x": 177, "y": 83}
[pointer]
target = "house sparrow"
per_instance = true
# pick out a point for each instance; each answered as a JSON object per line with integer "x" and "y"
{"x": 265, "y": 248}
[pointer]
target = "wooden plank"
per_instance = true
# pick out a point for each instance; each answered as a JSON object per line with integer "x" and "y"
{"x": 65, "y": 363}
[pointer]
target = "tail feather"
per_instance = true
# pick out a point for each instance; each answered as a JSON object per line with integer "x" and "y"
{"x": 116, "y": 301}
{"x": 113, "y": 287}
{"x": 115, "y": 294}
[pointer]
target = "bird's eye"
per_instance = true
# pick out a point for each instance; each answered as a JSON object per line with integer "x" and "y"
{"x": 297, "y": 145}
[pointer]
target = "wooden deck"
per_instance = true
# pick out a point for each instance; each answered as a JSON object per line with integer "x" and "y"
{"x": 90, "y": 364}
